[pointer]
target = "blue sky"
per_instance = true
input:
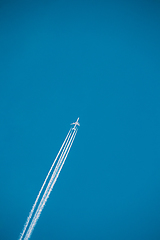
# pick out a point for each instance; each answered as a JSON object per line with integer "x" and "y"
{"x": 100, "y": 61}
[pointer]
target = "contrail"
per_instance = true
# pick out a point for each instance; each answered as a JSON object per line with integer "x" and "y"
{"x": 34, "y": 205}
{"x": 49, "y": 187}
{"x": 53, "y": 174}
{"x": 64, "y": 150}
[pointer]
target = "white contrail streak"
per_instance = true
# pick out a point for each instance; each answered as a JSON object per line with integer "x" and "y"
{"x": 50, "y": 186}
{"x": 54, "y": 173}
{"x": 44, "y": 198}
{"x": 63, "y": 152}
{"x": 34, "y": 205}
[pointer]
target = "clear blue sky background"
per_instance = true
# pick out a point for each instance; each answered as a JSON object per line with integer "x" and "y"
{"x": 100, "y": 61}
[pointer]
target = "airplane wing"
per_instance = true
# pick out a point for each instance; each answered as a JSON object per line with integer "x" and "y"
{"x": 76, "y": 123}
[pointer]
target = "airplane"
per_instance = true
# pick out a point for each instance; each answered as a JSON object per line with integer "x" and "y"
{"x": 76, "y": 123}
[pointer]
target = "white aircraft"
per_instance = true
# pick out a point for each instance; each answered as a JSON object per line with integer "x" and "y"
{"x": 76, "y": 123}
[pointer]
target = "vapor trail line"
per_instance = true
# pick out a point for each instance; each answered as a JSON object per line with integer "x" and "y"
{"x": 52, "y": 181}
{"x": 55, "y": 171}
{"x": 34, "y": 205}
